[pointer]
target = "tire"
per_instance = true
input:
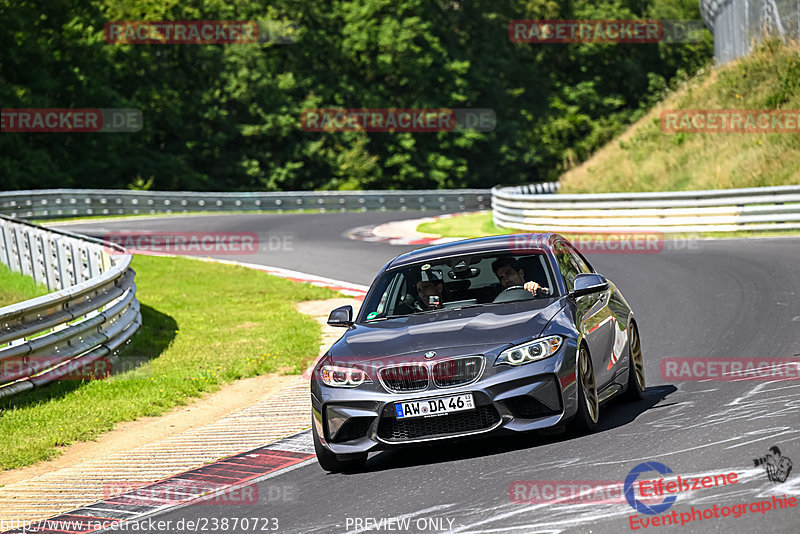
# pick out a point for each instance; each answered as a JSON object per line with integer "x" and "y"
{"x": 585, "y": 421}
{"x": 636, "y": 384}
{"x": 336, "y": 464}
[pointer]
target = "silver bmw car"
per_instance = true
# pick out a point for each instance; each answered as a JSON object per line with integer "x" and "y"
{"x": 496, "y": 334}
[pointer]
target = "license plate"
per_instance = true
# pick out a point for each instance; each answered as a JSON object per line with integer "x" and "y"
{"x": 436, "y": 406}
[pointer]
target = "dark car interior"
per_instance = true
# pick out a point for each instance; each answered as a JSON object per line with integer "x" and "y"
{"x": 467, "y": 281}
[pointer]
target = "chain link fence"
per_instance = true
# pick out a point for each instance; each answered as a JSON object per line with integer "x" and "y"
{"x": 736, "y": 24}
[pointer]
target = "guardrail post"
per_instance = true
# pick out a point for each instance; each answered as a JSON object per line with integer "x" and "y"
{"x": 5, "y": 245}
{"x": 50, "y": 263}
{"x": 64, "y": 274}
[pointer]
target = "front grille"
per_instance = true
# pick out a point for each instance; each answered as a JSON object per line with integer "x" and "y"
{"x": 457, "y": 371}
{"x": 391, "y": 429}
{"x": 353, "y": 428}
{"x": 403, "y": 378}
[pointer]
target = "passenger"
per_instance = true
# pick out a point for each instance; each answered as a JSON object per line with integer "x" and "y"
{"x": 510, "y": 274}
{"x": 430, "y": 285}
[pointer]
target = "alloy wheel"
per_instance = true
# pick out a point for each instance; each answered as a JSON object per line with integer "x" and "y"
{"x": 636, "y": 356}
{"x": 588, "y": 385}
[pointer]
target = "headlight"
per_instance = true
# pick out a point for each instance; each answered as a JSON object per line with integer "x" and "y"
{"x": 342, "y": 377}
{"x": 532, "y": 351}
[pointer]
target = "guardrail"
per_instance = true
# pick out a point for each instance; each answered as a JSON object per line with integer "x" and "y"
{"x": 59, "y": 203}
{"x": 722, "y": 210}
{"x": 91, "y": 313}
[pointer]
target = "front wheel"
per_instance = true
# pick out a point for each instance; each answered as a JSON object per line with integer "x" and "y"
{"x": 336, "y": 464}
{"x": 636, "y": 386}
{"x": 588, "y": 403}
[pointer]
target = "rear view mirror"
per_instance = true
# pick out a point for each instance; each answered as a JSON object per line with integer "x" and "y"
{"x": 341, "y": 316}
{"x": 470, "y": 272}
{"x": 588, "y": 283}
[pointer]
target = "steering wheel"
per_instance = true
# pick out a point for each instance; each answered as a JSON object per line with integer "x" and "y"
{"x": 505, "y": 296}
{"x": 512, "y": 287}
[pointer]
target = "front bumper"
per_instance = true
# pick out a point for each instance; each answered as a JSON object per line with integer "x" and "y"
{"x": 529, "y": 397}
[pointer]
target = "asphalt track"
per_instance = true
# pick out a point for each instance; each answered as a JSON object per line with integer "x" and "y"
{"x": 722, "y": 298}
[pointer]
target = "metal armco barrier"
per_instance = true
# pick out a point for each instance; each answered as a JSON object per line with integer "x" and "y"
{"x": 91, "y": 313}
{"x": 722, "y": 210}
{"x": 58, "y": 203}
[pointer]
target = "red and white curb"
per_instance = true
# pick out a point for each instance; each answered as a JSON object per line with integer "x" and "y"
{"x": 403, "y": 232}
{"x": 210, "y": 484}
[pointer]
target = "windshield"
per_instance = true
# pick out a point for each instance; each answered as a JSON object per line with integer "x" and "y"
{"x": 458, "y": 282}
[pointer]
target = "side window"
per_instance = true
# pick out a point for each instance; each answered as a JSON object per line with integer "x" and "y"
{"x": 390, "y": 295}
{"x": 570, "y": 263}
{"x": 394, "y": 294}
{"x": 583, "y": 265}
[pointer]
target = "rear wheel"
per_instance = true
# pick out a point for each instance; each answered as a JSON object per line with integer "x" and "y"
{"x": 588, "y": 404}
{"x": 636, "y": 385}
{"x": 333, "y": 463}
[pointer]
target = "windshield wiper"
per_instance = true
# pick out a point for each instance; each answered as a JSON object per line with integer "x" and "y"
{"x": 465, "y": 306}
{"x": 386, "y": 317}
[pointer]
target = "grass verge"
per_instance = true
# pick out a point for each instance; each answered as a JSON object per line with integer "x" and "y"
{"x": 645, "y": 158}
{"x": 16, "y": 287}
{"x": 204, "y": 325}
{"x": 480, "y": 224}
{"x": 468, "y": 225}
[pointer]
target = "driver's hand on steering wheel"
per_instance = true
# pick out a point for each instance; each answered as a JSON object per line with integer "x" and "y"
{"x": 533, "y": 287}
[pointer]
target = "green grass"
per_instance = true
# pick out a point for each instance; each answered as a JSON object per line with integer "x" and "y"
{"x": 204, "y": 325}
{"x": 16, "y": 287}
{"x": 645, "y": 158}
{"x": 480, "y": 224}
{"x": 469, "y": 225}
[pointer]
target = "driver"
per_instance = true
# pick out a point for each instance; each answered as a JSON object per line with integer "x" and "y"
{"x": 510, "y": 274}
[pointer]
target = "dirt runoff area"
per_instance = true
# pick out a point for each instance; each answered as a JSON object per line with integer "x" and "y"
{"x": 203, "y": 411}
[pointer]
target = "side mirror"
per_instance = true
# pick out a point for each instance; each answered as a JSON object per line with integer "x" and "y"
{"x": 588, "y": 283}
{"x": 341, "y": 316}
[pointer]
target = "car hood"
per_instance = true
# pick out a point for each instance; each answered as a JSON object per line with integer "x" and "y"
{"x": 442, "y": 331}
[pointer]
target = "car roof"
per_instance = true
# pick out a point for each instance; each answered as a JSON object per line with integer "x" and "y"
{"x": 512, "y": 243}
